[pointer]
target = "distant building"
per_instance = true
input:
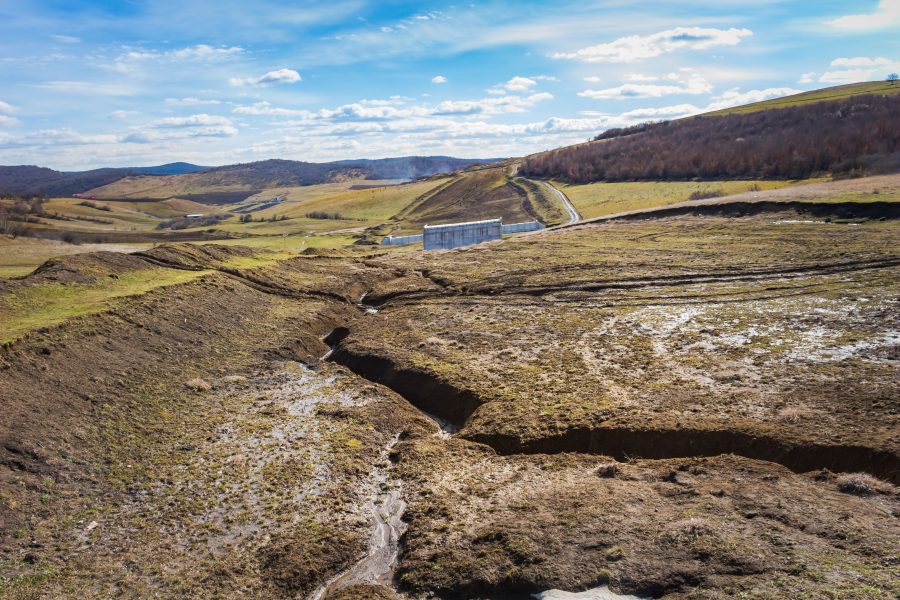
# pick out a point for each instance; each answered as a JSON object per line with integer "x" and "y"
{"x": 454, "y": 235}
{"x": 195, "y": 216}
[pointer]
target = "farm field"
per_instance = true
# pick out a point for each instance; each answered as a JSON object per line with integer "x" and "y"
{"x": 599, "y": 199}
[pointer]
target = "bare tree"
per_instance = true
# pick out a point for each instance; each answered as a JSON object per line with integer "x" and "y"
{"x": 892, "y": 77}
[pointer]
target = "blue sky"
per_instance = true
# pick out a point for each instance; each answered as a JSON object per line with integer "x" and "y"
{"x": 85, "y": 84}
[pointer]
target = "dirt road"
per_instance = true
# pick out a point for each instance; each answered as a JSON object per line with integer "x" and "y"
{"x": 574, "y": 217}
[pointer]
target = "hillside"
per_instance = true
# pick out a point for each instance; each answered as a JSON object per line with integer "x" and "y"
{"x": 235, "y": 182}
{"x": 844, "y": 136}
{"x": 33, "y": 180}
{"x": 838, "y": 92}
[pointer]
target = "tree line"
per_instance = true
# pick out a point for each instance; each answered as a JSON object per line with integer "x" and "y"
{"x": 840, "y": 137}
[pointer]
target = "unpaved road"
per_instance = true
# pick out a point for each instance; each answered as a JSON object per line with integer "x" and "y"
{"x": 574, "y": 217}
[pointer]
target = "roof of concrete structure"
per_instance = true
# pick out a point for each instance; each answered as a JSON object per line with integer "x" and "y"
{"x": 462, "y": 224}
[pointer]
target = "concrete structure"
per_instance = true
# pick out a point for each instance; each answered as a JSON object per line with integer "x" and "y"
{"x": 520, "y": 227}
{"x": 401, "y": 240}
{"x": 454, "y": 235}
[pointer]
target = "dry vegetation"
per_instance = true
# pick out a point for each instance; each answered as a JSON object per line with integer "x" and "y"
{"x": 846, "y": 136}
{"x": 620, "y": 389}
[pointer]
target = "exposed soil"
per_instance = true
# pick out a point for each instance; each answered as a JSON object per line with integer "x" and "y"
{"x": 661, "y": 407}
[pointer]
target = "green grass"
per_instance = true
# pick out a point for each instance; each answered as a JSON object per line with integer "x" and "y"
{"x": 831, "y": 93}
{"x": 47, "y": 304}
{"x": 599, "y": 199}
{"x": 34, "y": 306}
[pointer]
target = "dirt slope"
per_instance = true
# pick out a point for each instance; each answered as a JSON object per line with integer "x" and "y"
{"x": 616, "y": 387}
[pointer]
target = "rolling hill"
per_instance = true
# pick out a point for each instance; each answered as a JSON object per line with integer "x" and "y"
{"x": 235, "y": 182}
{"x": 208, "y": 184}
{"x": 849, "y": 136}
{"x": 30, "y": 179}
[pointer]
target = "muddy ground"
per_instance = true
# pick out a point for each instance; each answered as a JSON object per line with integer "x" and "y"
{"x": 696, "y": 407}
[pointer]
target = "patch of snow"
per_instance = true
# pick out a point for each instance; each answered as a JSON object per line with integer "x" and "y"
{"x": 598, "y": 593}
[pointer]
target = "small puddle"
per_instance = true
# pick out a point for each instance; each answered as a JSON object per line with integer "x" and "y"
{"x": 598, "y": 593}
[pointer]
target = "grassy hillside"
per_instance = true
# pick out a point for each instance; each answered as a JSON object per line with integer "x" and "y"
{"x": 484, "y": 194}
{"x": 598, "y": 199}
{"x": 839, "y": 92}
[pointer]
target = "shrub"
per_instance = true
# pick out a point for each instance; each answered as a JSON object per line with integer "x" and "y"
{"x": 863, "y": 484}
{"x": 789, "y": 415}
{"x": 318, "y": 214}
{"x": 198, "y": 385}
{"x": 703, "y": 194}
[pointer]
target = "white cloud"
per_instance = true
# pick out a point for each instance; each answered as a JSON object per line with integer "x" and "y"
{"x": 519, "y": 84}
{"x": 6, "y": 121}
{"x": 735, "y": 97}
{"x": 642, "y": 78}
{"x": 64, "y": 136}
{"x": 191, "y": 101}
{"x": 695, "y": 84}
{"x": 396, "y": 109}
{"x": 180, "y": 128}
{"x": 278, "y": 76}
{"x": 7, "y": 108}
{"x": 438, "y": 79}
{"x": 128, "y": 61}
{"x": 859, "y": 68}
{"x": 593, "y": 79}
{"x": 266, "y": 109}
{"x": 886, "y": 15}
{"x": 861, "y": 61}
{"x": 807, "y": 77}
{"x": 193, "y": 121}
{"x": 634, "y": 48}
{"x": 123, "y": 114}
{"x": 204, "y": 52}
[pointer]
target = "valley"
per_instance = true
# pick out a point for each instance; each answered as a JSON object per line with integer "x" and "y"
{"x": 220, "y": 384}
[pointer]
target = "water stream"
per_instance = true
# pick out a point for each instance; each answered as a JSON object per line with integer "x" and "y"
{"x": 386, "y": 509}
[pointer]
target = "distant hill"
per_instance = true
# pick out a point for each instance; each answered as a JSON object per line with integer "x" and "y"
{"x": 175, "y": 168}
{"x": 30, "y": 179}
{"x": 233, "y": 182}
{"x": 186, "y": 179}
{"x": 852, "y": 135}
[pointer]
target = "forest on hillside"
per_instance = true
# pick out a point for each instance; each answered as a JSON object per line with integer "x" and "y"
{"x": 842, "y": 137}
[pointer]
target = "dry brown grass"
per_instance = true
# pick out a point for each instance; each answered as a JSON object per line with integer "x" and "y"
{"x": 198, "y": 385}
{"x": 863, "y": 484}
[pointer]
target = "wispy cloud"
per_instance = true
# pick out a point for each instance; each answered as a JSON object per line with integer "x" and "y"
{"x": 278, "y": 76}
{"x": 65, "y": 39}
{"x": 886, "y": 15}
{"x": 174, "y": 128}
{"x": 88, "y": 87}
{"x": 635, "y": 48}
{"x": 858, "y": 68}
{"x": 438, "y": 79}
{"x": 132, "y": 58}
{"x": 694, "y": 84}
{"x": 191, "y": 101}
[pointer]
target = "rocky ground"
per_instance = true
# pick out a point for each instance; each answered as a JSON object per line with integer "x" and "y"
{"x": 683, "y": 408}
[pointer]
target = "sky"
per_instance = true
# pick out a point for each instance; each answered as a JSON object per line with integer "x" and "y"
{"x": 87, "y": 84}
